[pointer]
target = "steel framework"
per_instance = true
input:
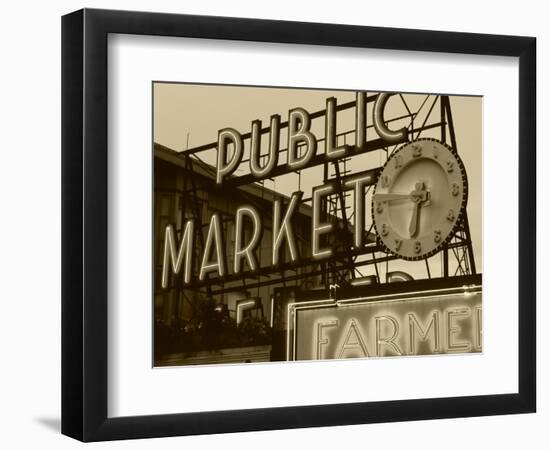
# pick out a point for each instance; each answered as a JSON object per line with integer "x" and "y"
{"x": 346, "y": 267}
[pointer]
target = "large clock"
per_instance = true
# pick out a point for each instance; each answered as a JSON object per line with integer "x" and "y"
{"x": 419, "y": 199}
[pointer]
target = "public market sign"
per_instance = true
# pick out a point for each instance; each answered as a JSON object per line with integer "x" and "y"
{"x": 301, "y": 149}
{"x": 430, "y": 322}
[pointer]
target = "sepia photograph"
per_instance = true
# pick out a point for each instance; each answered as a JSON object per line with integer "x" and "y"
{"x": 270, "y": 225}
{"x": 282, "y": 224}
{"x": 304, "y": 224}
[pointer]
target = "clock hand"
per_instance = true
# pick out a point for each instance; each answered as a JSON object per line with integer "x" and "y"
{"x": 420, "y": 196}
{"x": 414, "y": 219}
{"x": 390, "y": 197}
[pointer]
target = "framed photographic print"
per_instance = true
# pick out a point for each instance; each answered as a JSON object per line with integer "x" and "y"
{"x": 274, "y": 224}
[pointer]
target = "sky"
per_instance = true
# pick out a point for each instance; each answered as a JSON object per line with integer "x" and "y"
{"x": 190, "y": 115}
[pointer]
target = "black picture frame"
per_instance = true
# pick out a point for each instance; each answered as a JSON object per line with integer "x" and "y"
{"x": 84, "y": 224}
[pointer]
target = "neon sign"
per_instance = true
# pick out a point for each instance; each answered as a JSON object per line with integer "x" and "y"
{"x": 301, "y": 144}
{"x": 432, "y": 322}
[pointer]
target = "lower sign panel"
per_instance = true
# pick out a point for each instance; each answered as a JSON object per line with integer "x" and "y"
{"x": 432, "y": 322}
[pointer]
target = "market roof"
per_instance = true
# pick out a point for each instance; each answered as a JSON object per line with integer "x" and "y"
{"x": 206, "y": 170}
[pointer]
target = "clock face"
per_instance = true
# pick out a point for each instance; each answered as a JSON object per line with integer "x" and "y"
{"x": 419, "y": 199}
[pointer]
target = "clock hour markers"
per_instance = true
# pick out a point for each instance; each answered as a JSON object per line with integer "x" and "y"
{"x": 398, "y": 161}
{"x": 455, "y": 190}
{"x": 419, "y": 198}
